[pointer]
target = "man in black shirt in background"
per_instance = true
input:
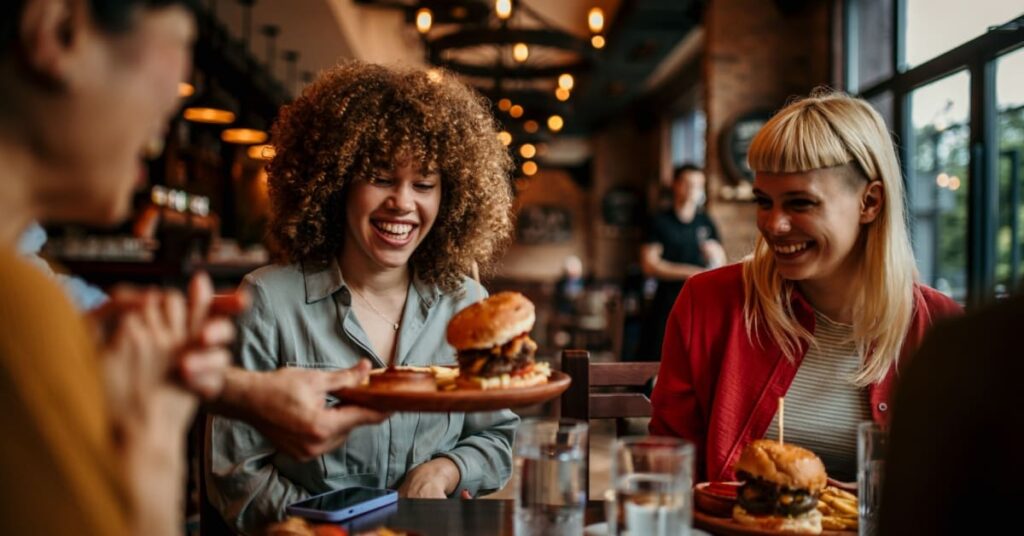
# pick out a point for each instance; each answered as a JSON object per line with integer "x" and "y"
{"x": 678, "y": 243}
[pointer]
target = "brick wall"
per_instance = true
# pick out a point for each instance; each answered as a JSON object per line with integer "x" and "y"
{"x": 756, "y": 57}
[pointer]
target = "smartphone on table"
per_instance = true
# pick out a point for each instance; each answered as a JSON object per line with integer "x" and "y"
{"x": 342, "y": 504}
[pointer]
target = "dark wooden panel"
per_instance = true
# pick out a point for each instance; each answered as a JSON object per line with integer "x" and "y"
{"x": 615, "y": 405}
{"x": 621, "y": 374}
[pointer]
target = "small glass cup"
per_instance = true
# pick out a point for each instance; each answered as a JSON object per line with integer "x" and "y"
{"x": 550, "y": 465}
{"x": 872, "y": 447}
{"x": 653, "y": 482}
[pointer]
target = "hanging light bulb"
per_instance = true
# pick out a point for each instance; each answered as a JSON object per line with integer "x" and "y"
{"x": 555, "y": 123}
{"x": 503, "y": 9}
{"x": 562, "y": 94}
{"x": 505, "y": 138}
{"x": 529, "y": 168}
{"x": 212, "y": 106}
{"x": 424, "y": 20}
{"x": 516, "y": 111}
{"x": 520, "y": 52}
{"x": 597, "y": 41}
{"x": 504, "y": 104}
{"x": 186, "y": 90}
{"x": 565, "y": 81}
{"x": 261, "y": 152}
{"x": 531, "y": 126}
{"x": 527, "y": 150}
{"x": 595, "y": 19}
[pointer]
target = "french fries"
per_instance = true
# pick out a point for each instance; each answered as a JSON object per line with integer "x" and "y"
{"x": 838, "y": 509}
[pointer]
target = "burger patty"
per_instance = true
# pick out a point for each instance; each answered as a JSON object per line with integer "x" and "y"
{"x": 760, "y": 497}
{"x": 508, "y": 358}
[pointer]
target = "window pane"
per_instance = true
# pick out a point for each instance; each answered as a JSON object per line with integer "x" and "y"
{"x": 938, "y": 160}
{"x": 874, "y": 41}
{"x": 935, "y": 26}
{"x": 1010, "y": 125}
{"x": 882, "y": 103}
{"x": 688, "y": 138}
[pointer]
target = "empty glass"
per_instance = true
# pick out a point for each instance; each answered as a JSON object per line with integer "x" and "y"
{"x": 872, "y": 444}
{"x": 550, "y": 470}
{"x": 653, "y": 482}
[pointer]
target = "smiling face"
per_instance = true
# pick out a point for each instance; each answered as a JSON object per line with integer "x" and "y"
{"x": 812, "y": 221}
{"x": 389, "y": 215}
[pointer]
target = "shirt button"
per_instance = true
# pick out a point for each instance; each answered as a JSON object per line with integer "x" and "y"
{"x": 882, "y": 406}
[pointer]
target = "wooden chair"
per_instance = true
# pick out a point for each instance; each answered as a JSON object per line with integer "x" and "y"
{"x": 604, "y": 391}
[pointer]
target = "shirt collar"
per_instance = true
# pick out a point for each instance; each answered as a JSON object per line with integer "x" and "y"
{"x": 323, "y": 278}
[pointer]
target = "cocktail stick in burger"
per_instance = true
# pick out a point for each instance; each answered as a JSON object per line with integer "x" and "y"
{"x": 781, "y": 487}
{"x": 492, "y": 338}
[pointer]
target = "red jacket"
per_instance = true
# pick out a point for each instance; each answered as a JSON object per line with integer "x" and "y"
{"x": 720, "y": 390}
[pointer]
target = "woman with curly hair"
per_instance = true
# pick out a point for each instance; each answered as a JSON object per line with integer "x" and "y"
{"x": 387, "y": 185}
{"x": 822, "y": 312}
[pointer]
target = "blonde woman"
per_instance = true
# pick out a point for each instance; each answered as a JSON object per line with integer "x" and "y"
{"x": 823, "y": 312}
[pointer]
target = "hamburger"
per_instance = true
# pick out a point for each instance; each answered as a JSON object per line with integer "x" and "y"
{"x": 781, "y": 486}
{"x": 492, "y": 338}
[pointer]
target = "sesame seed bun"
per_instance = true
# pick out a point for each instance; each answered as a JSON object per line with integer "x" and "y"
{"x": 491, "y": 322}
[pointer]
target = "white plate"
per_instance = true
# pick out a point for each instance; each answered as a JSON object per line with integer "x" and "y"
{"x": 601, "y": 529}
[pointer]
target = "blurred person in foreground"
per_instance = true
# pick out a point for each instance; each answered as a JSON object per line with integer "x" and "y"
{"x": 96, "y": 409}
{"x": 954, "y": 451}
{"x": 824, "y": 311}
{"x": 679, "y": 242}
{"x": 93, "y": 426}
{"x": 387, "y": 185}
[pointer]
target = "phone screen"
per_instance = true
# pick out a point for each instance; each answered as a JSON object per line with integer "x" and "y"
{"x": 341, "y": 499}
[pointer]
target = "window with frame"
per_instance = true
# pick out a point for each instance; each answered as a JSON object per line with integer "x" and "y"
{"x": 948, "y": 77}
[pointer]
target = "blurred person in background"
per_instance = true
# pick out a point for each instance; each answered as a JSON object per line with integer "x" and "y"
{"x": 679, "y": 243}
{"x": 823, "y": 313}
{"x": 387, "y": 185}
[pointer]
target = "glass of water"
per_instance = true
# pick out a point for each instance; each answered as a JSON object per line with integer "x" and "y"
{"x": 872, "y": 445}
{"x": 653, "y": 482}
{"x": 550, "y": 471}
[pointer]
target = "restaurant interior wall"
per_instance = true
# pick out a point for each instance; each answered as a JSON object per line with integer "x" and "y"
{"x": 757, "y": 55}
{"x": 629, "y": 158}
{"x": 551, "y": 193}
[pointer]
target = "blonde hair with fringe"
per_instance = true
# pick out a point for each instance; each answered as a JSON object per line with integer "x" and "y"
{"x": 829, "y": 129}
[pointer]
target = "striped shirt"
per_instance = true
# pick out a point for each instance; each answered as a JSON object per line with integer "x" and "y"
{"x": 823, "y": 406}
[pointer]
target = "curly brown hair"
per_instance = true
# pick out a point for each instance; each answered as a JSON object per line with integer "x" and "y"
{"x": 358, "y": 118}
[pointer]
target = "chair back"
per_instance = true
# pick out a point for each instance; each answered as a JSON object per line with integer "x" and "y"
{"x": 604, "y": 391}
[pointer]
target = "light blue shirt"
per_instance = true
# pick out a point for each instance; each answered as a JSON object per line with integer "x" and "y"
{"x": 302, "y": 317}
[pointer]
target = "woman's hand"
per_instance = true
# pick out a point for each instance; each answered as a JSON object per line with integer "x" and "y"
{"x": 435, "y": 479}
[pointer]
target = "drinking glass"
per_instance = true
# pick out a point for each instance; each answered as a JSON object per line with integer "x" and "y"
{"x": 872, "y": 444}
{"x": 550, "y": 470}
{"x": 653, "y": 482}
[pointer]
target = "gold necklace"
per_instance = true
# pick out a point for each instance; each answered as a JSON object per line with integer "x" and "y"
{"x": 394, "y": 325}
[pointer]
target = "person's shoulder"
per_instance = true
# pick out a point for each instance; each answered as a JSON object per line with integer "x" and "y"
{"x": 725, "y": 282}
{"x": 32, "y": 303}
{"x": 938, "y": 304}
{"x": 21, "y": 281}
{"x": 275, "y": 275}
{"x": 468, "y": 292}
